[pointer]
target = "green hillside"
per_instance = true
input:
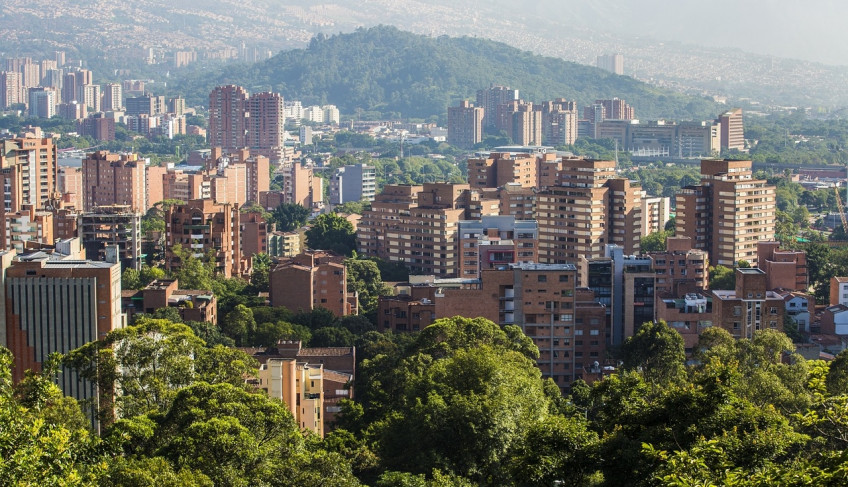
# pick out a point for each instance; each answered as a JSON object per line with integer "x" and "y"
{"x": 390, "y": 71}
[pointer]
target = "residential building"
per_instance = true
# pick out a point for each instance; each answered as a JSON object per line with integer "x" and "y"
{"x": 589, "y": 208}
{"x": 10, "y": 89}
{"x": 310, "y": 280}
{"x": 559, "y": 121}
{"x": 29, "y": 173}
{"x": 838, "y": 291}
{"x": 265, "y": 125}
{"x": 625, "y": 284}
{"x": 285, "y": 244}
{"x": 42, "y": 102}
{"x": 732, "y": 130}
{"x": 750, "y": 307}
{"x": 785, "y": 269}
{"x": 499, "y": 168}
{"x": 656, "y": 212}
{"x": 145, "y": 105}
{"x": 494, "y": 242}
{"x": 204, "y": 228}
{"x": 418, "y": 225}
{"x": 465, "y": 125}
{"x": 254, "y": 234}
{"x": 690, "y": 314}
{"x": 302, "y": 186}
{"x": 353, "y": 183}
{"x": 97, "y": 127}
{"x": 70, "y": 185}
{"x": 191, "y": 304}
{"x": 521, "y": 121}
{"x": 228, "y": 117}
{"x": 334, "y": 365}
{"x": 111, "y": 227}
{"x": 27, "y": 228}
{"x": 728, "y": 213}
{"x": 113, "y": 97}
{"x": 680, "y": 269}
{"x": 490, "y": 98}
{"x": 613, "y": 63}
{"x": 114, "y": 179}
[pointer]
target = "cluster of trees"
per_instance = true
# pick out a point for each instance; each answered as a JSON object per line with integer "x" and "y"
{"x": 401, "y": 74}
{"x": 185, "y": 416}
{"x": 460, "y": 403}
{"x": 795, "y": 139}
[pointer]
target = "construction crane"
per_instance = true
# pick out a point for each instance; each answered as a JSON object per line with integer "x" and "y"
{"x": 841, "y": 209}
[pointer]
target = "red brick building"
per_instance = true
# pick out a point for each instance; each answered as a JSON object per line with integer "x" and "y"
{"x": 310, "y": 280}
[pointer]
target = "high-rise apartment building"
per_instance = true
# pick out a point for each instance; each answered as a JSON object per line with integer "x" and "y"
{"x": 418, "y": 225}
{"x": 656, "y": 211}
{"x": 465, "y": 125}
{"x": 266, "y": 124}
{"x": 10, "y": 88}
{"x": 238, "y": 120}
{"x": 613, "y": 63}
{"x": 728, "y": 213}
{"x": 521, "y": 121}
{"x": 732, "y": 130}
{"x": 91, "y": 97}
{"x": 559, "y": 121}
{"x": 145, "y": 105}
{"x": 353, "y": 183}
{"x": 588, "y": 209}
{"x": 302, "y": 186}
{"x": 494, "y": 242}
{"x": 28, "y": 172}
{"x": 115, "y": 228}
{"x": 202, "y": 228}
{"x": 625, "y": 284}
{"x": 42, "y": 102}
{"x": 113, "y": 97}
{"x": 490, "y": 98}
{"x": 114, "y": 179}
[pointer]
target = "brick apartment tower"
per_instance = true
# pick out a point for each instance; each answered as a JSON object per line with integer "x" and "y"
{"x": 465, "y": 125}
{"x": 490, "y": 98}
{"x": 311, "y": 280}
{"x": 589, "y": 208}
{"x": 201, "y": 227}
{"x": 227, "y": 117}
{"x": 728, "y": 213}
{"x": 28, "y": 172}
{"x": 265, "y": 124}
{"x": 114, "y": 179}
{"x": 418, "y": 225}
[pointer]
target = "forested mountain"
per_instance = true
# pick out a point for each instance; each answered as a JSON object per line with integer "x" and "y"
{"x": 390, "y": 71}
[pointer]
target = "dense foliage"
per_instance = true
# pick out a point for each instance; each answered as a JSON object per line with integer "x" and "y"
{"x": 383, "y": 69}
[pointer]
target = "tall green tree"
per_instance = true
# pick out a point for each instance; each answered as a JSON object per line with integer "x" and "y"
{"x": 657, "y": 350}
{"x": 289, "y": 216}
{"x": 333, "y": 232}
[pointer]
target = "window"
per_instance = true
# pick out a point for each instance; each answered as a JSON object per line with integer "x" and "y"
{"x": 772, "y": 324}
{"x": 735, "y": 325}
{"x": 563, "y": 278}
{"x": 594, "y": 332}
{"x": 542, "y": 278}
{"x": 772, "y": 310}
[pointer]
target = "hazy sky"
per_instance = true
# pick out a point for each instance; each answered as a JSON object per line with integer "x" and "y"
{"x": 815, "y": 30}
